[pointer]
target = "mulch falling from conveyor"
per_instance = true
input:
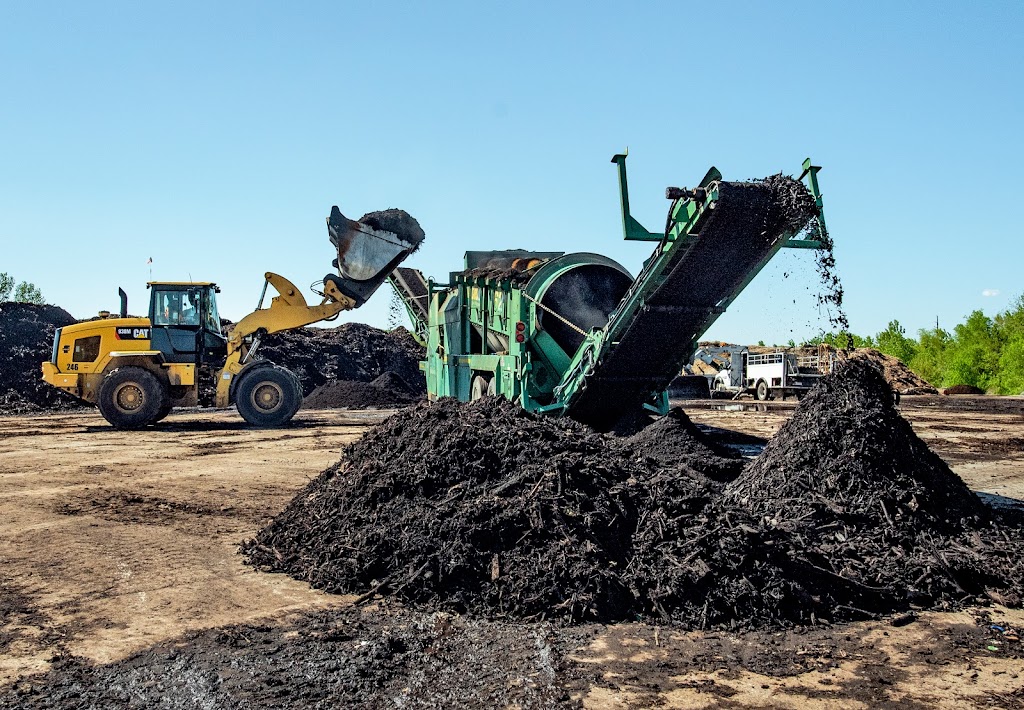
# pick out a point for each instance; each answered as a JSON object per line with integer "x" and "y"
{"x": 490, "y": 511}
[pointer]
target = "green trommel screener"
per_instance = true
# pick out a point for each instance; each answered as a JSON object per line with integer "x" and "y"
{"x": 576, "y": 334}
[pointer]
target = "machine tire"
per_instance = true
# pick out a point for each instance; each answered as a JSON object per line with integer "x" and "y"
{"x": 479, "y": 388}
{"x": 131, "y": 397}
{"x": 492, "y": 387}
{"x": 268, "y": 396}
{"x": 164, "y": 411}
{"x": 762, "y": 391}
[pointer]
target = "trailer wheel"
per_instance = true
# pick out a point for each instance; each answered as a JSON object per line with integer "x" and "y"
{"x": 131, "y": 397}
{"x": 268, "y": 396}
{"x": 762, "y": 391}
{"x": 478, "y": 389}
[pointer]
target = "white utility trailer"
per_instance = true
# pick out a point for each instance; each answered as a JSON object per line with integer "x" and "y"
{"x": 769, "y": 375}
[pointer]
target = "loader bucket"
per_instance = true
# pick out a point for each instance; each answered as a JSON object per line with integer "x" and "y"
{"x": 370, "y": 249}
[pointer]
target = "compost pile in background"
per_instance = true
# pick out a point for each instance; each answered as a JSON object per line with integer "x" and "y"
{"x": 487, "y": 510}
{"x": 352, "y": 351}
{"x": 963, "y": 389}
{"x": 711, "y": 357}
{"x": 900, "y": 377}
{"x": 387, "y": 391}
{"x": 26, "y": 341}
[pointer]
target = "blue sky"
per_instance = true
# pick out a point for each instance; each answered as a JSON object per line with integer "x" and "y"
{"x": 214, "y": 138}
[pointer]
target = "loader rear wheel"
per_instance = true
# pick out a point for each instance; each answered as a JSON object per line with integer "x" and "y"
{"x": 269, "y": 396}
{"x": 131, "y": 397}
{"x": 479, "y": 388}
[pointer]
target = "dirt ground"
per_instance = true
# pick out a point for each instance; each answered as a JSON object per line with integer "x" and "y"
{"x": 114, "y": 542}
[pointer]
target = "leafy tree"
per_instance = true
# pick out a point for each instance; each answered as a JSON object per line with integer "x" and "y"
{"x": 894, "y": 341}
{"x": 28, "y": 293}
{"x": 1009, "y": 378}
{"x": 975, "y": 357}
{"x": 931, "y": 360}
{"x": 1010, "y": 373}
{"x": 24, "y": 292}
{"x": 842, "y": 340}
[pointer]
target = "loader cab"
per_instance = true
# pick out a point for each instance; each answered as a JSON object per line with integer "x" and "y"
{"x": 186, "y": 324}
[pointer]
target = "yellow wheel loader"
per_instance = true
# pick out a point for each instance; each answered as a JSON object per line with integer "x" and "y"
{"x": 137, "y": 369}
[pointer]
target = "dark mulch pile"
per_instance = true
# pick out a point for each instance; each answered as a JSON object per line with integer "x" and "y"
{"x": 674, "y": 439}
{"x": 387, "y": 391}
{"x": 479, "y": 508}
{"x": 26, "y": 341}
{"x": 487, "y": 510}
{"x": 354, "y": 351}
{"x": 963, "y": 389}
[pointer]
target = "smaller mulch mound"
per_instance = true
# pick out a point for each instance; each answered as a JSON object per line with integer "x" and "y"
{"x": 674, "y": 439}
{"x": 26, "y": 341}
{"x": 387, "y": 391}
{"x": 963, "y": 389}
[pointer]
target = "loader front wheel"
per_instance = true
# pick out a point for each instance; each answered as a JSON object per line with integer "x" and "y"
{"x": 131, "y": 397}
{"x": 268, "y": 396}
{"x": 164, "y": 411}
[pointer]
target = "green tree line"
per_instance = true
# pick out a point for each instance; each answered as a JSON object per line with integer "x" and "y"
{"x": 23, "y": 292}
{"x": 982, "y": 352}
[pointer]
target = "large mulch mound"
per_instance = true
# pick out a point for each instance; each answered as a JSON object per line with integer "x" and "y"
{"x": 487, "y": 510}
{"x": 26, "y": 341}
{"x": 478, "y": 508}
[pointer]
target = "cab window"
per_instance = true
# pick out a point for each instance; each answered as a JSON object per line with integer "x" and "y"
{"x": 190, "y": 304}
{"x": 86, "y": 349}
{"x": 211, "y": 319}
{"x": 168, "y": 308}
{"x": 177, "y": 307}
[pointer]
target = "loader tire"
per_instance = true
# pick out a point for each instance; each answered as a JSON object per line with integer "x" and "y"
{"x": 164, "y": 411}
{"x": 131, "y": 397}
{"x": 268, "y": 396}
